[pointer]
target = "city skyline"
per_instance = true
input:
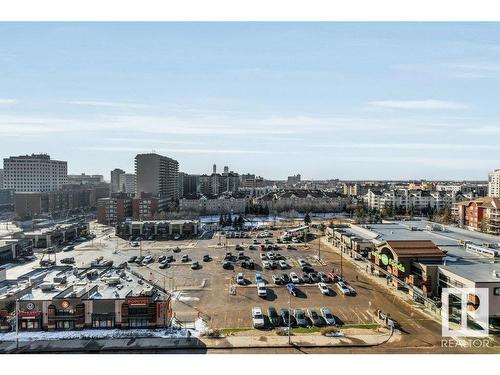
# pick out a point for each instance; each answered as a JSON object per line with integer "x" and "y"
{"x": 349, "y": 101}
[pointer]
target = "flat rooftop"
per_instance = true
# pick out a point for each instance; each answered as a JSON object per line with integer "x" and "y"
{"x": 479, "y": 272}
{"x": 62, "y": 282}
{"x": 448, "y": 240}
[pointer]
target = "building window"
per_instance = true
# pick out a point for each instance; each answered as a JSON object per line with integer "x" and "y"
{"x": 496, "y": 291}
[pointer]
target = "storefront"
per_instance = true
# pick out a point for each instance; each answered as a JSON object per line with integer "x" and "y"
{"x": 138, "y": 312}
{"x": 103, "y": 320}
{"x": 29, "y": 316}
{"x": 66, "y": 315}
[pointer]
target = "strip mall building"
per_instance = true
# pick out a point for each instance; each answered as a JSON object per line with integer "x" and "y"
{"x": 422, "y": 258}
{"x": 63, "y": 298}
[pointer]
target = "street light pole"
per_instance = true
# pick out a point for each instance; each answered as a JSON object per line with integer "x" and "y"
{"x": 319, "y": 248}
{"x": 17, "y": 324}
{"x": 289, "y": 318}
{"x": 341, "y": 256}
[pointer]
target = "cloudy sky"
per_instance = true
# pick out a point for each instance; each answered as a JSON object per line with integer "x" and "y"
{"x": 327, "y": 100}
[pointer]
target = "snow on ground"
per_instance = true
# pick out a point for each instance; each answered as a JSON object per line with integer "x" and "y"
{"x": 99, "y": 334}
{"x": 200, "y": 326}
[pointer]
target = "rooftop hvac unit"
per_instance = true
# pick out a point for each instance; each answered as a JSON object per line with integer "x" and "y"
{"x": 47, "y": 287}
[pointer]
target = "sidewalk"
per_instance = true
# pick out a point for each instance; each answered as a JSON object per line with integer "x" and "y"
{"x": 157, "y": 344}
{"x": 299, "y": 340}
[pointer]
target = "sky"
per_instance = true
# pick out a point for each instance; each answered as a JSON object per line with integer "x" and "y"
{"x": 326, "y": 100}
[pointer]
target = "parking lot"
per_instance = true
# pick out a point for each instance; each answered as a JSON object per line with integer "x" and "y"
{"x": 212, "y": 292}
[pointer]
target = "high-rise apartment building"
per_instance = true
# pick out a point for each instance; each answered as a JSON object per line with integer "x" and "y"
{"x": 158, "y": 175}
{"x": 494, "y": 183}
{"x": 1, "y": 178}
{"x": 115, "y": 179}
{"x": 34, "y": 173}
{"x": 127, "y": 183}
{"x": 85, "y": 179}
{"x": 292, "y": 180}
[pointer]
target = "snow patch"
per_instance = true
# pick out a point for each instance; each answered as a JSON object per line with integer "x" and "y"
{"x": 98, "y": 334}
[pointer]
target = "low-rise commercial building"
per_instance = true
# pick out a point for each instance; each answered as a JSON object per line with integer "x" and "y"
{"x": 158, "y": 229}
{"x": 67, "y": 298}
{"x": 421, "y": 258}
{"x": 56, "y": 235}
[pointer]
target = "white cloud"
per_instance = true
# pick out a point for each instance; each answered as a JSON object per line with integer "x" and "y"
{"x": 5, "y": 101}
{"x": 418, "y": 104}
{"x": 98, "y": 103}
{"x": 174, "y": 150}
{"x": 411, "y": 146}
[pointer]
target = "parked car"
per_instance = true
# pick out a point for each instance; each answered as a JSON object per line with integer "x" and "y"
{"x": 327, "y": 316}
{"x": 305, "y": 278}
{"x": 164, "y": 265}
{"x": 240, "y": 278}
{"x": 333, "y": 277}
{"x": 285, "y": 278}
{"x": 273, "y": 264}
{"x": 261, "y": 290}
{"x": 227, "y": 265}
{"x": 248, "y": 264}
{"x": 314, "y": 278}
{"x": 252, "y": 247}
{"x": 206, "y": 258}
{"x": 323, "y": 288}
{"x": 277, "y": 279}
{"x": 286, "y": 319}
{"x": 185, "y": 258}
{"x": 343, "y": 288}
{"x": 274, "y": 318}
{"x": 258, "y": 278}
{"x": 161, "y": 258}
{"x": 300, "y": 317}
{"x": 266, "y": 265}
{"x": 270, "y": 256}
{"x": 139, "y": 259}
{"x": 170, "y": 258}
{"x": 68, "y": 260}
{"x": 228, "y": 255}
{"x": 352, "y": 291}
{"x": 257, "y": 317}
{"x": 314, "y": 317}
{"x": 68, "y": 248}
{"x": 134, "y": 244}
{"x": 292, "y": 289}
{"x": 148, "y": 259}
{"x": 323, "y": 278}
{"x": 132, "y": 259}
{"x": 307, "y": 269}
{"x": 195, "y": 265}
{"x": 263, "y": 256}
{"x": 294, "y": 278}
{"x": 177, "y": 249}
{"x": 283, "y": 264}
{"x": 302, "y": 262}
